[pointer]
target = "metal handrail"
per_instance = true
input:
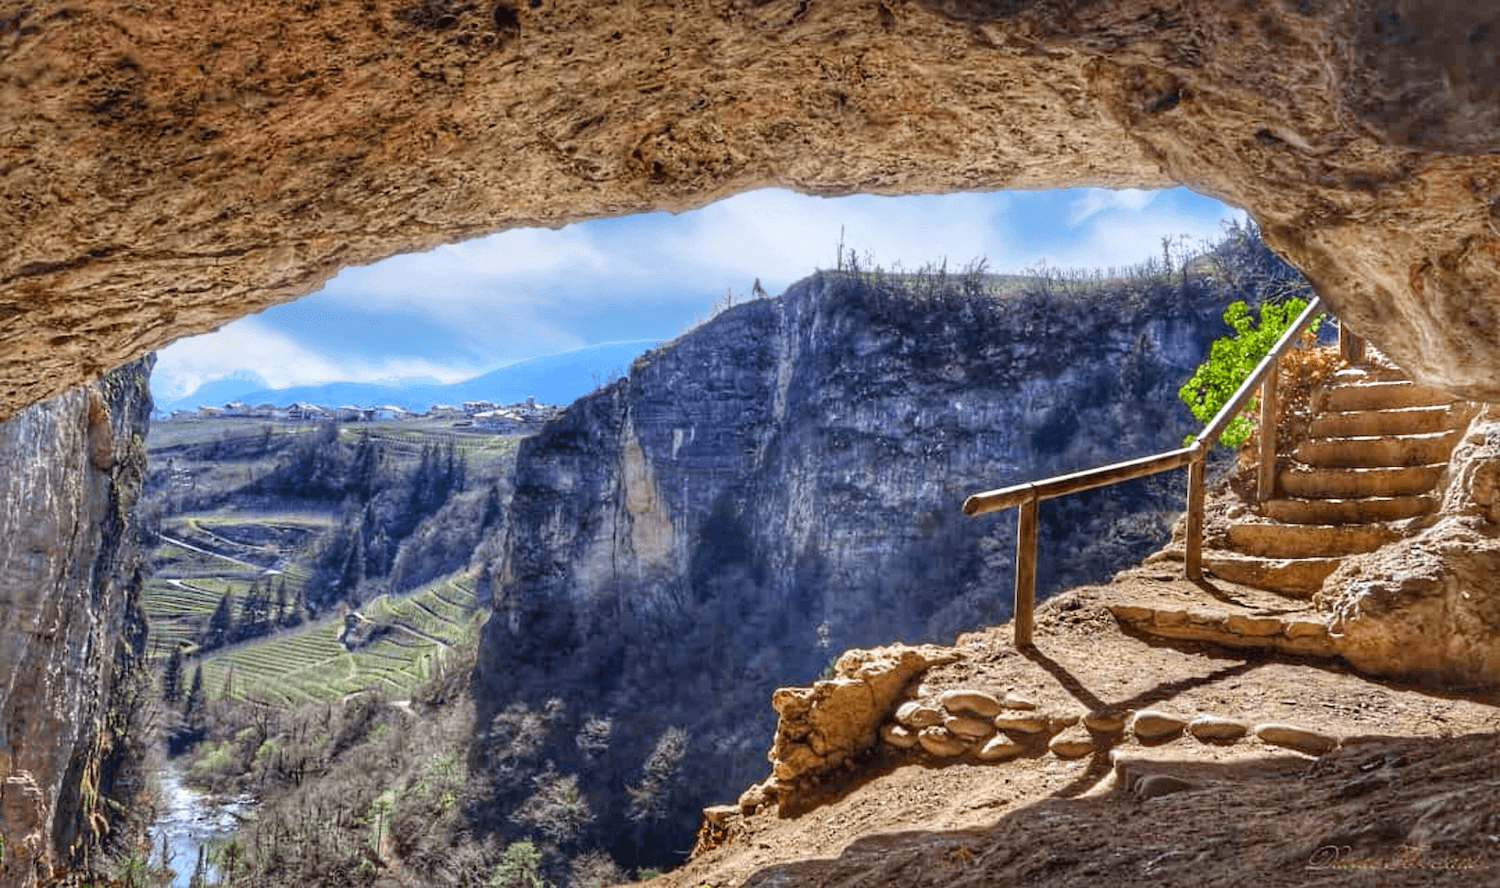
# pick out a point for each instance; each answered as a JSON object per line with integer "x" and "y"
{"x": 1028, "y": 495}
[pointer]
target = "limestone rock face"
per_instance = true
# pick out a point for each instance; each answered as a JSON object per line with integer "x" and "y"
{"x": 749, "y": 501}
{"x": 70, "y": 469}
{"x": 1424, "y": 608}
{"x": 168, "y": 167}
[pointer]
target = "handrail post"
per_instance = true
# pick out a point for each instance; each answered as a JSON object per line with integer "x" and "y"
{"x": 1265, "y": 478}
{"x": 1351, "y": 344}
{"x": 1025, "y": 603}
{"x": 1028, "y": 495}
{"x": 1194, "y": 555}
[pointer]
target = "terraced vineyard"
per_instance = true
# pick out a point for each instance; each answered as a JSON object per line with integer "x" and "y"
{"x": 199, "y": 560}
{"x": 178, "y": 610}
{"x": 311, "y": 664}
{"x": 222, "y": 531}
{"x": 405, "y": 440}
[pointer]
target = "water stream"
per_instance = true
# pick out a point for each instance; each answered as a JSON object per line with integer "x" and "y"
{"x": 190, "y": 819}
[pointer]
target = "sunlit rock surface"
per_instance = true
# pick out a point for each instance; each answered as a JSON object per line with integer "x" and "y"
{"x": 169, "y": 166}
{"x": 1425, "y": 607}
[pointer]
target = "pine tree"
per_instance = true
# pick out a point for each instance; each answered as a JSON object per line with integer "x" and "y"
{"x": 281, "y": 603}
{"x": 195, "y": 694}
{"x": 352, "y": 572}
{"x": 492, "y": 507}
{"x": 220, "y": 624}
{"x": 450, "y": 473}
{"x": 519, "y": 868}
{"x": 299, "y": 606}
{"x": 171, "y": 677}
{"x": 255, "y": 614}
{"x": 366, "y": 466}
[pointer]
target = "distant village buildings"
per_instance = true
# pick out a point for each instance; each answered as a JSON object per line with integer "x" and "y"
{"x": 513, "y": 418}
{"x": 302, "y": 411}
{"x": 479, "y": 414}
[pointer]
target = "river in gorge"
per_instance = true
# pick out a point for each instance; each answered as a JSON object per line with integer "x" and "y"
{"x": 190, "y": 819}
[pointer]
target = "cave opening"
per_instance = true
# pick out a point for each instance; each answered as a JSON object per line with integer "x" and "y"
{"x": 374, "y": 531}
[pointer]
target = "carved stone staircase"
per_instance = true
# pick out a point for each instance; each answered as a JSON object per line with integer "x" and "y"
{"x": 1366, "y": 475}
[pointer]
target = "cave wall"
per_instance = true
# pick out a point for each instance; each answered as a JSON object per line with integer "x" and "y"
{"x": 71, "y": 634}
{"x": 170, "y": 166}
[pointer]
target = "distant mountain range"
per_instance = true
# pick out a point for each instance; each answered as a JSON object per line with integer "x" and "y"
{"x": 552, "y": 379}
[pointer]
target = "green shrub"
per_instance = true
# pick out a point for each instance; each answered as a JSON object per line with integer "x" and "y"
{"x": 519, "y": 868}
{"x": 1231, "y": 360}
{"x": 213, "y": 758}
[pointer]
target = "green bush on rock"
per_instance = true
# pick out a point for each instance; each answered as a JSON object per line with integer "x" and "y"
{"x": 1231, "y": 360}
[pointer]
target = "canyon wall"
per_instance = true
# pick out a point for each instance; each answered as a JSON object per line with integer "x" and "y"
{"x": 71, "y": 634}
{"x": 166, "y": 167}
{"x": 784, "y": 483}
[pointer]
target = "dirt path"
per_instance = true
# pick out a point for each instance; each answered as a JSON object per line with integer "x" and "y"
{"x": 184, "y": 544}
{"x": 1408, "y": 798}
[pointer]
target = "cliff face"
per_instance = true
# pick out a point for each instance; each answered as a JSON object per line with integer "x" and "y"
{"x": 785, "y": 482}
{"x": 170, "y": 166}
{"x": 70, "y": 631}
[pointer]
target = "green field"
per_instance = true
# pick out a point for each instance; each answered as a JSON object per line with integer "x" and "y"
{"x": 306, "y": 663}
{"x": 215, "y": 540}
{"x": 405, "y": 440}
{"x": 200, "y": 558}
{"x": 310, "y": 664}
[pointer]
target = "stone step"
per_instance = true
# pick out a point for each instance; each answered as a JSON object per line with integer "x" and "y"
{"x": 1369, "y": 372}
{"x": 1292, "y": 577}
{"x": 1402, "y": 421}
{"x": 1376, "y": 452}
{"x": 1348, "y": 511}
{"x": 1308, "y": 540}
{"x": 1347, "y": 483}
{"x": 1384, "y": 395}
{"x": 1293, "y": 633}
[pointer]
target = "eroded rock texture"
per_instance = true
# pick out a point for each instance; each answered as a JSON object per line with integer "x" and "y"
{"x": 70, "y": 632}
{"x": 169, "y": 166}
{"x": 821, "y": 727}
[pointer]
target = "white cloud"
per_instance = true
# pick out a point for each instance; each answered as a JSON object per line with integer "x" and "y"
{"x": 529, "y": 292}
{"x": 775, "y": 235}
{"x": 250, "y": 345}
{"x": 1099, "y": 200}
{"x": 459, "y": 279}
{"x": 1121, "y": 240}
{"x": 781, "y": 236}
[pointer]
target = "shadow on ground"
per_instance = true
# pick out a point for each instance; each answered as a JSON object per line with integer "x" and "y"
{"x": 1378, "y": 811}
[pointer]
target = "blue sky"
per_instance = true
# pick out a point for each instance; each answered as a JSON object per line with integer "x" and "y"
{"x": 464, "y": 309}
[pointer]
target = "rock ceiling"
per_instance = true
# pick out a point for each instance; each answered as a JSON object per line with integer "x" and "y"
{"x": 170, "y": 166}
